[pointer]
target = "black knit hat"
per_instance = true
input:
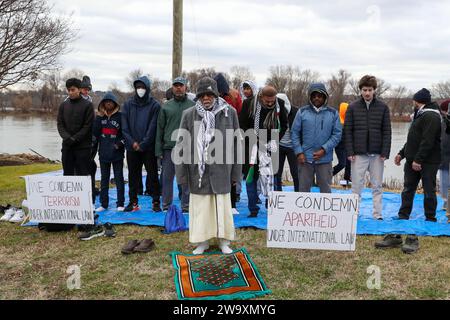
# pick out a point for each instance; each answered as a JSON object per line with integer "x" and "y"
{"x": 207, "y": 85}
{"x": 86, "y": 83}
{"x": 73, "y": 82}
{"x": 423, "y": 96}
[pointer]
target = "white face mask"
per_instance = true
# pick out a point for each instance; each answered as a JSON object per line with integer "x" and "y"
{"x": 141, "y": 92}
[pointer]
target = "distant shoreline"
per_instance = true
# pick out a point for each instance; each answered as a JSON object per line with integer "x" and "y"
{"x": 395, "y": 119}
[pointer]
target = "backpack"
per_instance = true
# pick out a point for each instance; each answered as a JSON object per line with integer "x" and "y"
{"x": 175, "y": 221}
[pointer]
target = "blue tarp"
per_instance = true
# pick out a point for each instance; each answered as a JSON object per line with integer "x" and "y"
{"x": 366, "y": 224}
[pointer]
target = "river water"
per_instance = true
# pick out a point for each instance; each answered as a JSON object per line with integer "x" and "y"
{"x": 19, "y": 134}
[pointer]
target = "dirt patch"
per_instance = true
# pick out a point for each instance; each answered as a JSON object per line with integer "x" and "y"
{"x": 21, "y": 159}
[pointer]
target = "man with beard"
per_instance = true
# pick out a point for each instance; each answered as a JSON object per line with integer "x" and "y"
{"x": 422, "y": 152}
{"x": 210, "y": 179}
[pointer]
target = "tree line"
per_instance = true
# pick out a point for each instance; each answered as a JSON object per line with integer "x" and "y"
{"x": 49, "y": 91}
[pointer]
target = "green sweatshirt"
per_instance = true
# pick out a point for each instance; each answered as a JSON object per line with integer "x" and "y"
{"x": 169, "y": 120}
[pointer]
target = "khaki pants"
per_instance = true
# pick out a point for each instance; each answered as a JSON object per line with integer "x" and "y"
{"x": 375, "y": 166}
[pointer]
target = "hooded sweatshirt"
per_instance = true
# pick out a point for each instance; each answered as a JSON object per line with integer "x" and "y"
{"x": 108, "y": 132}
{"x": 314, "y": 129}
{"x": 139, "y": 119}
{"x": 252, "y": 85}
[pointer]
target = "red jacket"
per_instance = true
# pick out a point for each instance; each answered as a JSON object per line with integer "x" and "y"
{"x": 234, "y": 99}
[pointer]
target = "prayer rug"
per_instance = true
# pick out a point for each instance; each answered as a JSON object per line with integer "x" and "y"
{"x": 215, "y": 276}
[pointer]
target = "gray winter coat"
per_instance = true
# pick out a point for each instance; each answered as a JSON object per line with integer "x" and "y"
{"x": 217, "y": 178}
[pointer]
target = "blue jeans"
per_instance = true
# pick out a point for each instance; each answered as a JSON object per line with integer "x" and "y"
{"x": 105, "y": 168}
{"x": 252, "y": 194}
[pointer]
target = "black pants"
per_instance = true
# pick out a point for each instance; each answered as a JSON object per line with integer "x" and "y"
{"x": 76, "y": 162}
{"x": 135, "y": 162}
{"x": 105, "y": 167}
{"x": 233, "y": 196}
{"x": 292, "y": 160}
{"x": 93, "y": 174}
{"x": 343, "y": 162}
{"x": 412, "y": 179}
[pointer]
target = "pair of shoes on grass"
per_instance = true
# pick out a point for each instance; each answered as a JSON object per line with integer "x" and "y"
{"x": 91, "y": 232}
{"x": 136, "y": 246}
{"x": 14, "y": 215}
{"x": 410, "y": 246}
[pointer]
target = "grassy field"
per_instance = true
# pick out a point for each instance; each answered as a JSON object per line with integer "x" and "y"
{"x": 34, "y": 264}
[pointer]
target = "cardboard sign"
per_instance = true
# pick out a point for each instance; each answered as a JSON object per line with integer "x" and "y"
{"x": 312, "y": 221}
{"x": 60, "y": 200}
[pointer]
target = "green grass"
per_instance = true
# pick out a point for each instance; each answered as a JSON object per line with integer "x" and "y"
{"x": 34, "y": 264}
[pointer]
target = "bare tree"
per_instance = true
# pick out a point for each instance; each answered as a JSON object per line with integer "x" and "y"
{"x": 292, "y": 81}
{"x": 337, "y": 87}
{"x": 73, "y": 73}
{"x": 441, "y": 90}
{"x": 383, "y": 88}
{"x": 121, "y": 96}
{"x": 195, "y": 75}
{"x": 399, "y": 100}
{"x": 239, "y": 74}
{"x": 133, "y": 75}
{"x": 31, "y": 40}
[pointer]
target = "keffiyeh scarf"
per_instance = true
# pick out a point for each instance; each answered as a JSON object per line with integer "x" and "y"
{"x": 207, "y": 130}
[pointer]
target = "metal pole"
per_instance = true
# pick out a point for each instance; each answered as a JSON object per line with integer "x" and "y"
{"x": 177, "y": 63}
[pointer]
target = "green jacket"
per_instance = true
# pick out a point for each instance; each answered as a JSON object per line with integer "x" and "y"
{"x": 169, "y": 120}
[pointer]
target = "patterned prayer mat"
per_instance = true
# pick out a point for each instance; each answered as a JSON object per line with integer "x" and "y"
{"x": 214, "y": 276}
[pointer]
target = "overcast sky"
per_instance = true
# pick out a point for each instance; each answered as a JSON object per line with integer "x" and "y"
{"x": 404, "y": 42}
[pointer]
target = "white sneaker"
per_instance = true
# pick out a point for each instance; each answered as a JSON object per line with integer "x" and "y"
{"x": 100, "y": 209}
{"x": 201, "y": 248}
{"x": 235, "y": 212}
{"x": 224, "y": 247}
{"x": 8, "y": 214}
{"x": 18, "y": 217}
{"x": 120, "y": 209}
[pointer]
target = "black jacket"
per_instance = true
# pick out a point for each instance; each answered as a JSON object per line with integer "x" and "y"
{"x": 75, "y": 120}
{"x": 368, "y": 131}
{"x": 424, "y": 137}
{"x": 247, "y": 121}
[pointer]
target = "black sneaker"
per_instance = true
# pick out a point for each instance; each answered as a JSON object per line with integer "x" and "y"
{"x": 390, "y": 241}
{"x": 156, "y": 207}
{"x": 253, "y": 215}
{"x": 132, "y": 207}
{"x": 91, "y": 233}
{"x": 411, "y": 245}
{"x": 109, "y": 230}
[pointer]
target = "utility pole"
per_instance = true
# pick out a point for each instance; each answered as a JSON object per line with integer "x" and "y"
{"x": 177, "y": 56}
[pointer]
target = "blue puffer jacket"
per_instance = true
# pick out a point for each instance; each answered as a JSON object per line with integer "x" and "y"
{"x": 313, "y": 130}
{"x": 139, "y": 119}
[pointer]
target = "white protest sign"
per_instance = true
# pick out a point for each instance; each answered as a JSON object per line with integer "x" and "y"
{"x": 312, "y": 221}
{"x": 60, "y": 200}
